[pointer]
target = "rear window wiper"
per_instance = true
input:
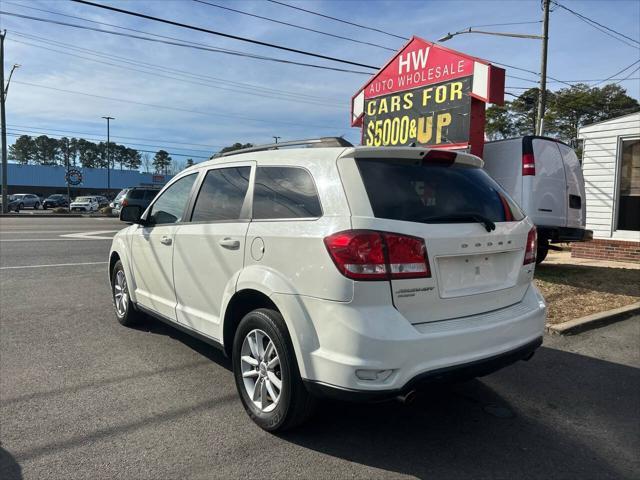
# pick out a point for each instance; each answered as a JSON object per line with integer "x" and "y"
{"x": 488, "y": 224}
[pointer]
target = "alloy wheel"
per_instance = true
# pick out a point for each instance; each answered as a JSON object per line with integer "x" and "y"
{"x": 121, "y": 293}
{"x": 261, "y": 372}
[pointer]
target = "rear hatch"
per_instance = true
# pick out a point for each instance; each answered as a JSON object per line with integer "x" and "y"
{"x": 475, "y": 235}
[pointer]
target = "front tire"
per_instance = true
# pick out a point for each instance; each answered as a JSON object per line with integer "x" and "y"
{"x": 126, "y": 313}
{"x": 266, "y": 373}
{"x": 36, "y": 206}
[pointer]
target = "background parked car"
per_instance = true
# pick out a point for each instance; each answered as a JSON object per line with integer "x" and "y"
{"x": 14, "y": 204}
{"x": 84, "y": 204}
{"x": 102, "y": 201}
{"x": 27, "y": 200}
{"x": 56, "y": 200}
{"x": 140, "y": 196}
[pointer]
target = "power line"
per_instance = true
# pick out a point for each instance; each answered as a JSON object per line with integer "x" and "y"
{"x": 294, "y": 25}
{"x": 164, "y": 67}
{"x": 505, "y": 24}
{"x": 101, "y": 139}
{"x": 570, "y": 81}
{"x": 143, "y": 151}
{"x": 338, "y": 19}
{"x": 178, "y": 109}
{"x": 595, "y": 25}
{"x": 222, "y": 34}
{"x": 618, "y": 73}
{"x": 154, "y": 72}
{"x": 627, "y": 77}
{"x": 75, "y": 132}
{"x": 186, "y": 44}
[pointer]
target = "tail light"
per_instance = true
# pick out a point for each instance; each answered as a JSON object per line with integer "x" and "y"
{"x": 124, "y": 203}
{"x": 371, "y": 255}
{"x": 531, "y": 248}
{"x": 508, "y": 215}
{"x": 528, "y": 164}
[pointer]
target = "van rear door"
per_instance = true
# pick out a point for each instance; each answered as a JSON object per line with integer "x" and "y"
{"x": 576, "y": 208}
{"x": 545, "y": 191}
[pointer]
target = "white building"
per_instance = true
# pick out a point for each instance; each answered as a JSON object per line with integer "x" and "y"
{"x": 611, "y": 167}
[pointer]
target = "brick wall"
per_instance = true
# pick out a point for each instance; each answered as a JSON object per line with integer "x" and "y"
{"x": 605, "y": 249}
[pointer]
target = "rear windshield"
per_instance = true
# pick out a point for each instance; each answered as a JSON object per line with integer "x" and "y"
{"x": 418, "y": 191}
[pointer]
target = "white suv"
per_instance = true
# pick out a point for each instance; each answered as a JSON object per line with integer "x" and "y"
{"x": 352, "y": 272}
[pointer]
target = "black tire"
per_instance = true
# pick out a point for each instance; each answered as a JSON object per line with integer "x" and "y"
{"x": 129, "y": 316}
{"x": 543, "y": 250}
{"x": 44, "y": 207}
{"x": 36, "y": 206}
{"x": 295, "y": 404}
{"x": 20, "y": 207}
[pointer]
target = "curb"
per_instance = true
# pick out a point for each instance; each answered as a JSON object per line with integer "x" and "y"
{"x": 595, "y": 320}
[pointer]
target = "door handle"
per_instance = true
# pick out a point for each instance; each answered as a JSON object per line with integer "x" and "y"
{"x": 230, "y": 243}
{"x": 165, "y": 240}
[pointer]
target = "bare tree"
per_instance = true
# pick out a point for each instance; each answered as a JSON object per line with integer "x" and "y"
{"x": 177, "y": 165}
{"x": 147, "y": 162}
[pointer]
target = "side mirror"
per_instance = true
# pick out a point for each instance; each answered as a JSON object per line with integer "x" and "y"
{"x": 131, "y": 214}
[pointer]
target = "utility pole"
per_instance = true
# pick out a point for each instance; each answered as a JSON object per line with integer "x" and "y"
{"x": 542, "y": 96}
{"x": 67, "y": 167}
{"x": 108, "y": 119}
{"x": 5, "y": 205}
{"x": 276, "y": 138}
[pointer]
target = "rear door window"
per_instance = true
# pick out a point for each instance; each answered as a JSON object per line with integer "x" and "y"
{"x": 136, "y": 194}
{"x": 285, "y": 192}
{"x": 222, "y": 195}
{"x": 418, "y": 191}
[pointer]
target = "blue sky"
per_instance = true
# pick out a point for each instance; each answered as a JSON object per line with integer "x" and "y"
{"x": 205, "y": 111}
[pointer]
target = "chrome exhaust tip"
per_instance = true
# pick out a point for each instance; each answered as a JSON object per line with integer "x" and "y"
{"x": 408, "y": 398}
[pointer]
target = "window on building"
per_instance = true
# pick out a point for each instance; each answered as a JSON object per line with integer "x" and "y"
{"x": 629, "y": 193}
{"x": 222, "y": 195}
{"x": 285, "y": 192}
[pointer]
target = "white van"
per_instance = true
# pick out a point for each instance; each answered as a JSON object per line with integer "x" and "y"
{"x": 544, "y": 177}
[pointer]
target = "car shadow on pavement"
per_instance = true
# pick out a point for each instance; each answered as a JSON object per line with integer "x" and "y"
{"x": 157, "y": 327}
{"x": 9, "y": 467}
{"x": 567, "y": 416}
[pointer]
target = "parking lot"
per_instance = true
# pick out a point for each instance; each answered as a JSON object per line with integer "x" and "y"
{"x": 83, "y": 397}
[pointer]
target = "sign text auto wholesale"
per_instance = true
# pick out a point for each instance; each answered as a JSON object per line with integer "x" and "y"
{"x": 428, "y": 95}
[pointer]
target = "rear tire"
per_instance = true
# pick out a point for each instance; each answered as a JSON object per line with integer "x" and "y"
{"x": 126, "y": 312}
{"x": 543, "y": 250}
{"x": 261, "y": 338}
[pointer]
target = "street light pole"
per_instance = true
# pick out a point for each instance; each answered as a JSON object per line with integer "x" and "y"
{"x": 108, "y": 119}
{"x": 276, "y": 138}
{"x": 542, "y": 95}
{"x": 3, "y": 120}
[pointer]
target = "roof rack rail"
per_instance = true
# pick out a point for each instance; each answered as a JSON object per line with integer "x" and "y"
{"x": 312, "y": 142}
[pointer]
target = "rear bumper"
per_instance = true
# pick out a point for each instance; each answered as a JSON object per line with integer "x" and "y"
{"x": 478, "y": 368}
{"x": 565, "y": 234}
{"x": 352, "y": 339}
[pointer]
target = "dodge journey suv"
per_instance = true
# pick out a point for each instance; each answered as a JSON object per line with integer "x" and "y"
{"x": 351, "y": 272}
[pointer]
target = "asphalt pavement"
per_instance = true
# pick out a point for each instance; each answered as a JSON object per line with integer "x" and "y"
{"x": 83, "y": 397}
